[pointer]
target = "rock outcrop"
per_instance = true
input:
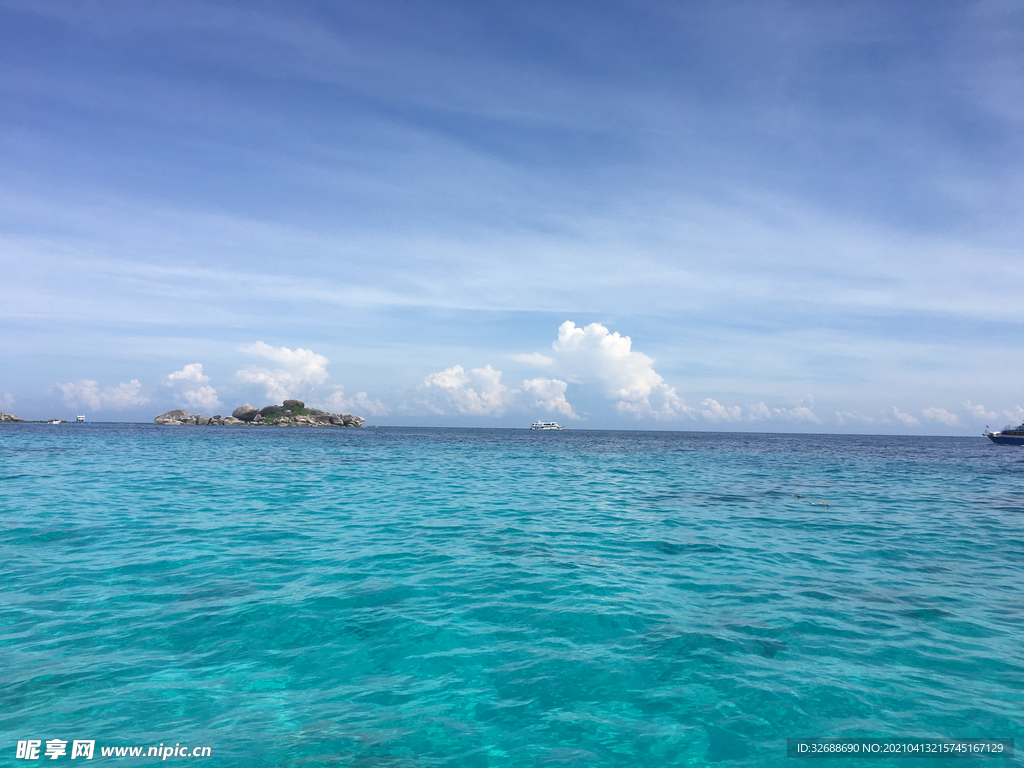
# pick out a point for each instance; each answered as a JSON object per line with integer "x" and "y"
{"x": 8, "y": 417}
{"x": 246, "y": 412}
{"x": 177, "y": 416}
{"x": 292, "y": 414}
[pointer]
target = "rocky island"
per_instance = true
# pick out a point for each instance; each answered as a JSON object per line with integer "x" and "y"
{"x": 292, "y": 413}
{"x": 9, "y": 417}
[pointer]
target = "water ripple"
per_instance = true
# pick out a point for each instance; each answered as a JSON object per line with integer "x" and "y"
{"x": 416, "y": 597}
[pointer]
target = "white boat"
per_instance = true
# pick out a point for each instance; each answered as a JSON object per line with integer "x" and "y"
{"x": 54, "y": 421}
{"x": 545, "y": 425}
{"x": 80, "y": 419}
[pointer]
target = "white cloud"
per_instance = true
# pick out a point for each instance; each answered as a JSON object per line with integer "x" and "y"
{"x": 535, "y": 359}
{"x": 478, "y": 392}
{"x": 358, "y": 404}
{"x": 192, "y": 372}
{"x": 297, "y": 368}
{"x": 426, "y": 405}
{"x": 843, "y": 417}
{"x": 87, "y": 392}
{"x": 582, "y": 354}
{"x": 801, "y": 413}
{"x": 759, "y": 411}
{"x": 205, "y": 397}
{"x": 940, "y": 414}
{"x": 361, "y": 402}
{"x": 714, "y": 411}
{"x": 979, "y": 412}
{"x": 275, "y": 390}
{"x": 906, "y": 418}
{"x": 549, "y": 394}
{"x": 84, "y": 392}
{"x": 1017, "y": 414}
{"x": 6, "y": 400}
{"x": 450, "y": 378}
{"x": 593, "y": 352}
{"x": 629, "y": 375}
{"x": 123, "y": 395}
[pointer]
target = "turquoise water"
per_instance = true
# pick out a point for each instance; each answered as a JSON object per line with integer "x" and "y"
{"x": 429, "y": 597}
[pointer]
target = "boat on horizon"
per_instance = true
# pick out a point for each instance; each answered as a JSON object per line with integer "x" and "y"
{"x": 1008, "y": 435}
{"x": 545, "y": 425}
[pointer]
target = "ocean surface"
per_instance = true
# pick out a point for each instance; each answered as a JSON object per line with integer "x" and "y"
{"x": 469, "y": 597}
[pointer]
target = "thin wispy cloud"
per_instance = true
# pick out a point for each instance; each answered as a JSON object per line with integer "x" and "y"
{"x": 535, "y": 359}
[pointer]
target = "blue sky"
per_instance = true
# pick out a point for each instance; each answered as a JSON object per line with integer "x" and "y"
{"x": 762, "y": 216}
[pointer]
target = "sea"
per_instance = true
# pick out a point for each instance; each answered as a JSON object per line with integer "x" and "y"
{"x": 499, "y": 597}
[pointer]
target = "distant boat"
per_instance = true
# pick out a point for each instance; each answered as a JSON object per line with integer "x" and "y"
{"x": 54, "y": 421}
{"x": 80, "y": 419}
{"x": 1008, "y": 435}
{"x": 544, "y": 425}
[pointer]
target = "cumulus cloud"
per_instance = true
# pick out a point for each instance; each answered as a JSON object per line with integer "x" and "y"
{"x": 594, "y": 352}
{"x": 88, "y": 393}
{"x": 844, "y": 417}
{"x": 801, "y": 413}
{"x": 979, "y": 412}
{"x": 549, "y": 394}
{"x": 940, "y": 414}
{"x": 593, "y": 355}
{"x": 478, "y": 392}
{"x": 6, "y": 400}
{"x": 193, "y": 372}
{"x": 629, "y": 374}
{"x": 297, "y": 368}
{"x": 359, "y": 403}
{"x": 202, "y": 397}
{"x": 663, "y": 404}
{"x": 1017, "y": 414}
{"x": 760, "y": 411}
{"x": 906, "y": 418}
{"x": 714, "y": 411}
{"x": 584, "y": 355}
